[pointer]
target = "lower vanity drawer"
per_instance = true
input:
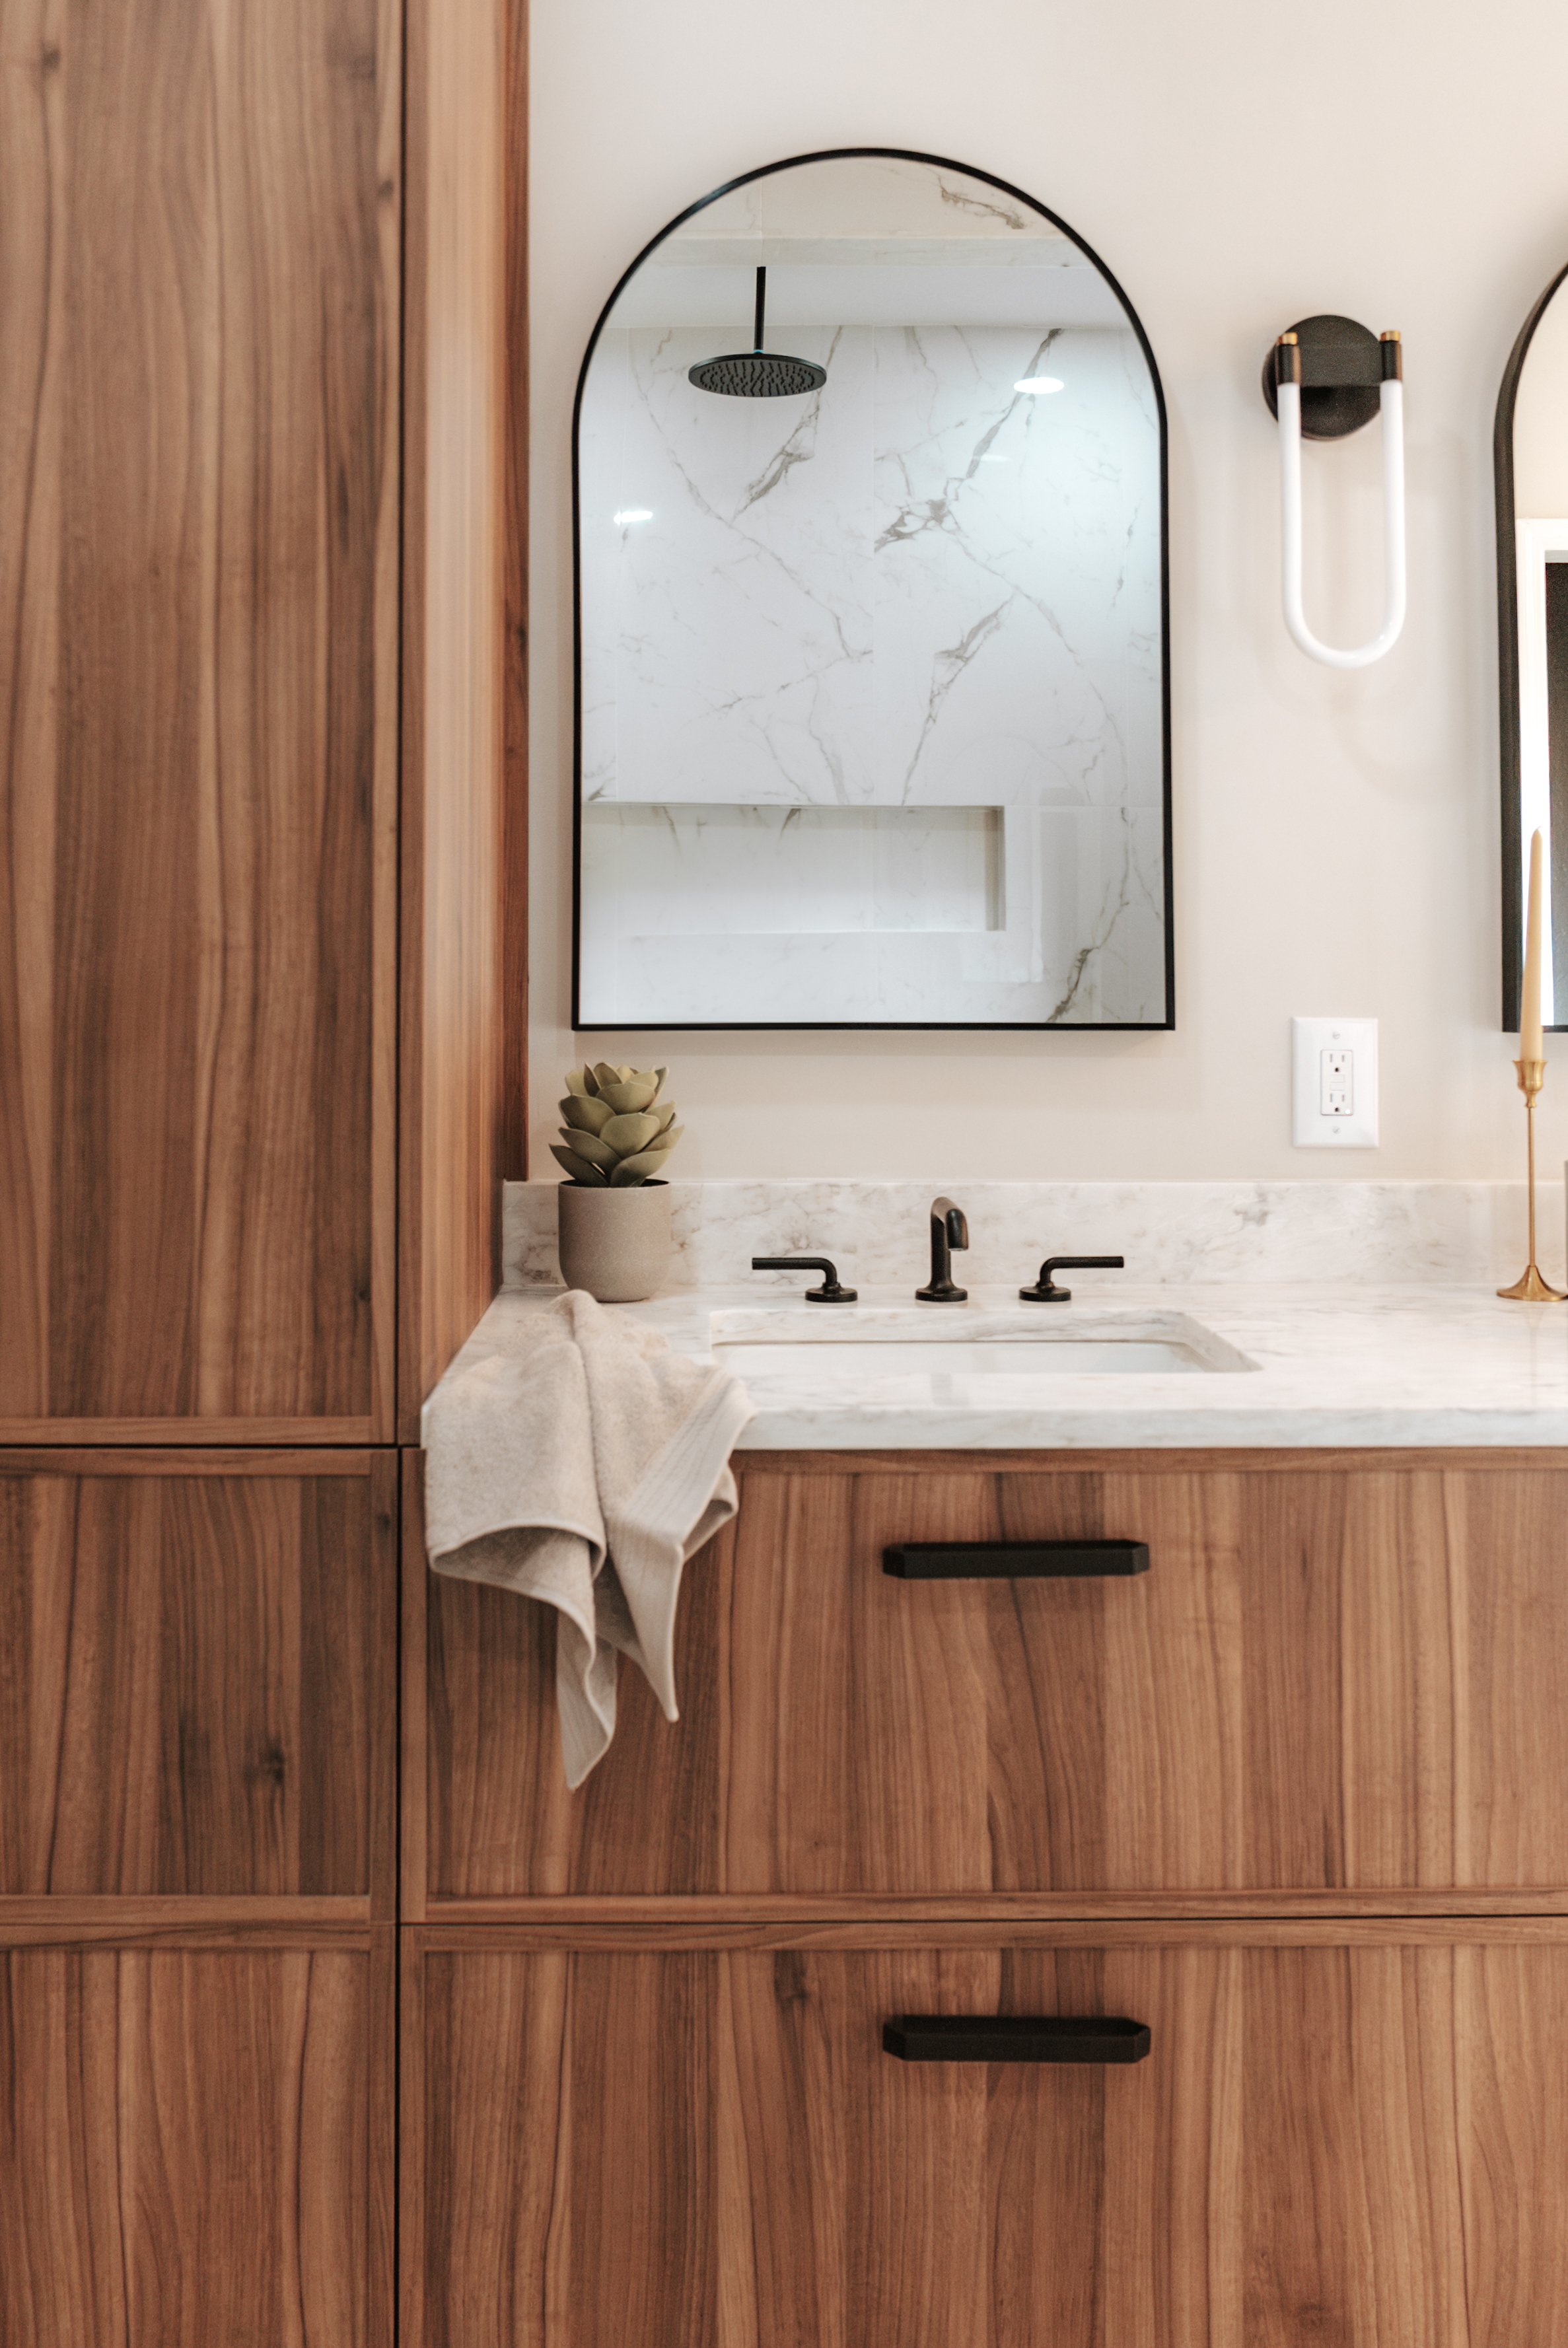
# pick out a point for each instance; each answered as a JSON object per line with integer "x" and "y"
{"x": 617, "y": 2139}
{"x": 1331, "y": 1677}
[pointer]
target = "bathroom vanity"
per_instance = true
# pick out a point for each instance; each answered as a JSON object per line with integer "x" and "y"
{"x": 1293, "y": 1798}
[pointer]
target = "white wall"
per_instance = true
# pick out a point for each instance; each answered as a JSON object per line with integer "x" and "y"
{"x": 1539, "y": 437}
{"x": 1336, "y": 836}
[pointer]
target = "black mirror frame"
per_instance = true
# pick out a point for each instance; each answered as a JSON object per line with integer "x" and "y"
{"x": 692, "y": 1026}
{"x": 1507, "y": 663}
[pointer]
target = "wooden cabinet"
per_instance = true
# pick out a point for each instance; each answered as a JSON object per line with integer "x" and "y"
{"x": 1335, "y": 1679}
{"x": 261, "y": 331}
{"x": 195, "y": 2144}
{"x": 1362, "y": 2141}
{"x": 1293, "y": 1798}
{"x": 197, "y": 1682}
{"x": 198, "y": 1689}
{"x": 198, "y": 530}
{"x": 251, "y": 655}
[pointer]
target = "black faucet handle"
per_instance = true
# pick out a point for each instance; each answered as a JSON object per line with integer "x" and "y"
{"x": 829, "y": 1292}
{"x": 1044, "y": 1290}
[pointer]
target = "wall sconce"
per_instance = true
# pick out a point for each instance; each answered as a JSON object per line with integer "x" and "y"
{"x": 1324, "y": 379}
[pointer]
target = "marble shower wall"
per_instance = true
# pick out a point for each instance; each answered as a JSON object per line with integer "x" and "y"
{"x": 919, "y": 603}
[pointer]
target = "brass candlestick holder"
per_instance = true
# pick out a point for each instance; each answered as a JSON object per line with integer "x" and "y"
{"x": 1529, "y": 1286}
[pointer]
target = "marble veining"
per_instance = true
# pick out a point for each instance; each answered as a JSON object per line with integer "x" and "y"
{"x": 1325, "y": 1232}
{"x": 916, "y": 587}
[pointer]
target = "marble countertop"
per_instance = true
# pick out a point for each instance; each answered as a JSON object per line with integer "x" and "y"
{"x": 1285, "y": 1367}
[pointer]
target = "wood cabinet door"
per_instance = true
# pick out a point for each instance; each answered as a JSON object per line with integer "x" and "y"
{"x": 195, "y": 2146}
{"x": 708, "y": 2147}
{"x": 198, "y": 556}
{"x": 198, "y": 1680}
{"x": 1336, "y": 1680}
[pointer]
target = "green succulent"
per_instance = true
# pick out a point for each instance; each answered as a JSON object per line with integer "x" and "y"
{"x": 615, "y": 1135}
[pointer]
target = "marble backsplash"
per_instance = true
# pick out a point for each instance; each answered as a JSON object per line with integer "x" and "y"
{"x": 877, "y": 1232}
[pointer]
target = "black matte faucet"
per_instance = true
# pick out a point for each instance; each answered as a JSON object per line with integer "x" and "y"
{"x": 948, "y": 1230}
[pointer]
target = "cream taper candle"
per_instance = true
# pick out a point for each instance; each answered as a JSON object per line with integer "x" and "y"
{"x": 1531, "y": 1046}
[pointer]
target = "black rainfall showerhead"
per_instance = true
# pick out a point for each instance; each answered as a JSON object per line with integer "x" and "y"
{"x": 758, "y": 373}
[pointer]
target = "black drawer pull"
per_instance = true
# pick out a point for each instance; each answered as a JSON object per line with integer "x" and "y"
{"x": 1015, "y": 2038}
{"x": 980, "y": 1560}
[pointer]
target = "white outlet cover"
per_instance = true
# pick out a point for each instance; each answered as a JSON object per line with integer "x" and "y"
{"x": 1310, "y": 1127}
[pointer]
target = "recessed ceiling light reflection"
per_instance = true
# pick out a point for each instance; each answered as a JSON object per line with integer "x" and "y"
{"x": 633, "y": 513}
{"x": 1039, "y": 384}
{"x": 993, "y": 460}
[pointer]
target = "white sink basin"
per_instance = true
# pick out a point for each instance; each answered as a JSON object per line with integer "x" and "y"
{"x": 862, "y": 1357}
{"x": 842, "y": 1346}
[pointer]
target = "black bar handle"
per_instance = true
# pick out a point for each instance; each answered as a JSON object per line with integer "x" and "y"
{"x": 829, "y": 1292}
{"x": 1044, "y": 1290}
{"x": 1015, "y": 2038}
{"x": 1013, "y": 1560}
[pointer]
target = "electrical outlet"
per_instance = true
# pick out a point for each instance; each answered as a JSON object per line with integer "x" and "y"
{"x": 1337, "y": 1084}
{"x": 1334, "y": 1066}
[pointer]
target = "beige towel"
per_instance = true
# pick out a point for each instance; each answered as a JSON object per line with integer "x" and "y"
{"x": 584, "y": 1470}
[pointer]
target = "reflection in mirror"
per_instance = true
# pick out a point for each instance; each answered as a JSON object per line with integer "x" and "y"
{"x": 1531, "y": 448}
{"x": 872, "y": 720}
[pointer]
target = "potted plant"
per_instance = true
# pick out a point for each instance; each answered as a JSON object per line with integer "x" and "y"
{"x": 612, "y": 1212}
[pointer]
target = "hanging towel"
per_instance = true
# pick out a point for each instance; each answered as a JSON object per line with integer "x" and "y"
{"x": 584, "y": 1470}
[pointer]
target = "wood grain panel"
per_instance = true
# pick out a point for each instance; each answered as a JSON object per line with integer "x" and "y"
{"x": 454, "y": 665}
{"x": 184, "y": 1920}
{"x": 194, "y": 2148}
{"x": 737, "y": 1929}
{"x": 197, "y": 1678}
{"x": 1328, "y": 1680}
{"x": 801, "y": 1909}
{"x": 199, "y": 231}
{"x": 514, "y": 902}
{"x": 1367, "y": 2146}
{"x": 1486, "y": 1460}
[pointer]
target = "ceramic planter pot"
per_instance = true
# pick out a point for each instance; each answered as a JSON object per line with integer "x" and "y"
{"x": 613, "y": 1243}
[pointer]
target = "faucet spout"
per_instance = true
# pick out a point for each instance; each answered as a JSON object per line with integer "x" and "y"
{"x": 948, "y": 1230}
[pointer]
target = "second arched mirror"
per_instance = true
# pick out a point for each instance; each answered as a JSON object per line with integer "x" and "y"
{"x": 1531, "y": 453}
{"x": 872, "y": 626}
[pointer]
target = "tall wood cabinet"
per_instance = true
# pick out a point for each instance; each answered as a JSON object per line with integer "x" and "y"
{"x": 1293, "y": 1799}
{"x": 258, "y": 275}
{"x": 198, "y": 663}
{"x": 197, "y": 1896}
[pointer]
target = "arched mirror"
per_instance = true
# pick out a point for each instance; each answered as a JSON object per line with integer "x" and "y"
{"x": 1531, "y": 453}
{"x": 873, "y": 725}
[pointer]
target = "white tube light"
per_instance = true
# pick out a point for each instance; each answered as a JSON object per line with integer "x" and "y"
{"x": 1392, "y": 401}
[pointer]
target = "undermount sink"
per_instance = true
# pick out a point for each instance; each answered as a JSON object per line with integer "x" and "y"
{"x": 862, "y": 1348}
{"x": 980, "y": 1358}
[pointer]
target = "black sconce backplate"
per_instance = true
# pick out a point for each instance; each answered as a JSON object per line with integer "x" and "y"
{"x": 1341, "y": 371}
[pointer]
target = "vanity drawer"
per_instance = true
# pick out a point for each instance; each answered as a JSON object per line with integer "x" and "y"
{"x": 1366, "y": 2144}
{"x": 1330, "y": 1677}
{"x": 197, "y": 1675}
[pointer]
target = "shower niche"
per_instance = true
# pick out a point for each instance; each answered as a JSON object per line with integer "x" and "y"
{"x": 872, "y": 703}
